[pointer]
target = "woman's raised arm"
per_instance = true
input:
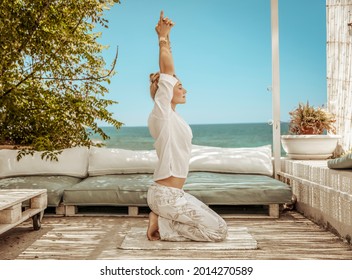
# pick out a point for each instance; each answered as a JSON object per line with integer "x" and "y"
{"x": 166, "y": 63}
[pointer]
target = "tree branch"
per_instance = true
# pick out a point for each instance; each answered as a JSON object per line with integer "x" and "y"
{"x": 86, "y": 78}
{"x": 33, "y": 30}
{"x": 40, "y": 64}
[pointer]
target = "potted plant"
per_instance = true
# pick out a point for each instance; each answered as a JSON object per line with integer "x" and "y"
{"x": 312, "y": 133}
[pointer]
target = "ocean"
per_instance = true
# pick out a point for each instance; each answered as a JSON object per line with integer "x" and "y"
{"x": 217, "y": 135}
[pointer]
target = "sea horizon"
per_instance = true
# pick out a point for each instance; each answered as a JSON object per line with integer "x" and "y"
{"x": 193, "y": 124}
{"x": 226, "y": 135}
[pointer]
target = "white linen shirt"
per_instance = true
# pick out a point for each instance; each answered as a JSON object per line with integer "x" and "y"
{"x": 172, "y": 135}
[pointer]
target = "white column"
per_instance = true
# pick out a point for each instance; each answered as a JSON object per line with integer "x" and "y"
{"x": 275, "y": 85}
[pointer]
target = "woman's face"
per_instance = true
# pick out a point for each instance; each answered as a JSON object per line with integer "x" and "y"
{"x": 179, "y": 96}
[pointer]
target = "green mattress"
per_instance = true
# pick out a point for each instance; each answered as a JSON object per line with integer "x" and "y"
{"x": 119, "y": 190}
{"x": 237, "y": 189}
{"x": 55, "y": 185}
{"x": 211, "y": 188}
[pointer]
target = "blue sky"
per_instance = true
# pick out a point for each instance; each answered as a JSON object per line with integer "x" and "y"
{"x": 222, "y": 54}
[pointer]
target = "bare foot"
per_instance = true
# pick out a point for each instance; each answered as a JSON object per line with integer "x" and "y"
{"x": 153, "y": 228}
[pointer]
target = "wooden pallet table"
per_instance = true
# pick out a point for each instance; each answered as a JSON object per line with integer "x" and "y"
{"x": 11, "y": 213}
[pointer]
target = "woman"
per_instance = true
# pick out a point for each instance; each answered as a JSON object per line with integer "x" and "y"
{"x": 176, "y": 215}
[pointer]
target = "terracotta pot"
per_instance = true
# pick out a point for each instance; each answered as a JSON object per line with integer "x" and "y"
{"x": 307, "y": 131}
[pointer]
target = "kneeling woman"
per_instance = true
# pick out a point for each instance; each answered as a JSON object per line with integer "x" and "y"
{"x": 176, "y": 215}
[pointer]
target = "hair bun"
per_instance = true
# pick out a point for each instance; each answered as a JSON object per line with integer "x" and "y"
{"x": 154, "y": 81}
{"x": 154, "y": 77}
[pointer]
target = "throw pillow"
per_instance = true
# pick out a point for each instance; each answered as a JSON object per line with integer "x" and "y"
{"x": 344, "y": 162}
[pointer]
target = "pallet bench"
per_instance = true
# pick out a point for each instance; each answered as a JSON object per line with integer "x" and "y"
{"x": 11, "y": 213}
{"x": 273, "y": 211}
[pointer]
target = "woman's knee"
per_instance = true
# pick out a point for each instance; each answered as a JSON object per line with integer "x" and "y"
{"x": 222, "y": 231}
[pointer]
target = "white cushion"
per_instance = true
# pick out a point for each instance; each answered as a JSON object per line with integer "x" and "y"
{"x": 71, "y": 162}
{"x": 103, "y": 161}
{"x": 256, "y": 160}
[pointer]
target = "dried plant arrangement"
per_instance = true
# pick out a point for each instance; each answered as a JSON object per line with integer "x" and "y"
{"x": 306, "y": 119}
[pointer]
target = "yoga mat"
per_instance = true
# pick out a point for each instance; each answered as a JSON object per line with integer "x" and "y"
{"x": 237, "y": 239}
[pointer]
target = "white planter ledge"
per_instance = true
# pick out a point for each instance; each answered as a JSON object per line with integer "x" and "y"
{"x": 309, "y": 146}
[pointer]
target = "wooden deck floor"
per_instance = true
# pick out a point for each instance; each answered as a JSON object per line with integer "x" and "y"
{"x": 290, "y": 237}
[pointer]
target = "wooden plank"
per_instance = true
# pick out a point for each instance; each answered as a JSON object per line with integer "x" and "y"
{"x": 291, "y": 236}
{"x": 60, "y": 210}
{"x": 10, "y": 197}
{"x": 70, "y": 210}
{"x": 133, "y": 211}
{"x": 274, "y": 210}
{"x": 40, "y": 201}
{"x": 24, "y": 216}
{"x": 246, "y": 216}
{"x": 11, "y": 215}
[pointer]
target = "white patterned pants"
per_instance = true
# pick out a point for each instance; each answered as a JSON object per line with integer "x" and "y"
{"x": 182, "y": 217}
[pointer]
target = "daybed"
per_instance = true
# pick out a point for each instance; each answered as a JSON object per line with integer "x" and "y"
{"x": 117, "y": 177}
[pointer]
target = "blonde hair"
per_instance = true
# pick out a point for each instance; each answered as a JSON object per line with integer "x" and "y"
{"x": 154, "y": 80}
